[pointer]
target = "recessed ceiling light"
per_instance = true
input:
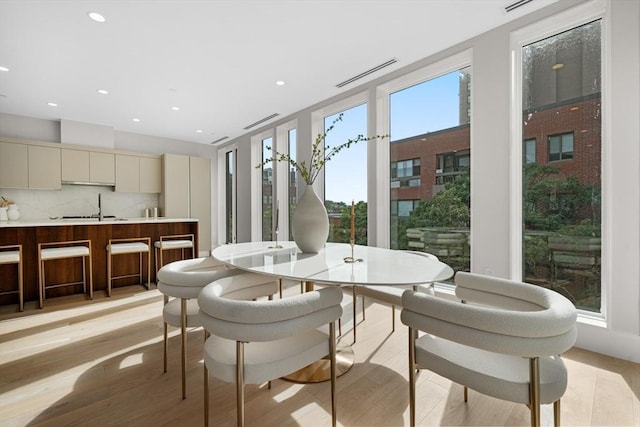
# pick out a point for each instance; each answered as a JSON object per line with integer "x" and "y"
{"x": 103, "y": 92}
{"x": 3, "y": 68}
{"x": 175, "y": 108}
{"x": 199, "y": 130}
{"x": 52, "y": 104}
{"x": 97, "y": 17}
{"x": 136, "y": 120}
{"x": 280, "y": 83}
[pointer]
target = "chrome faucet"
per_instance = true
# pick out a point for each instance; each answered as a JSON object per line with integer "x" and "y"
{"x": 100, "y": 217}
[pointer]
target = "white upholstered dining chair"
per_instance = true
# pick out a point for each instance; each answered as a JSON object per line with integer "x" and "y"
{"x": 387, "y": 295}
{"x": 253, "y": 342}
{"x": 180, "y": 282}
{"x": 504, "y": 341}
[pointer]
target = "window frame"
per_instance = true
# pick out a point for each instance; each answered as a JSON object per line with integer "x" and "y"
{"x": 382, "y": 185}
{"x": 556, "y": 24}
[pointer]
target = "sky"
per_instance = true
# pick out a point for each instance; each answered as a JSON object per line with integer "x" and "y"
{"x": 426, "y": 107}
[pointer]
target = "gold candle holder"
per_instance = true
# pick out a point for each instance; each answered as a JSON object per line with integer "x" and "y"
{"x": 351, "y": 259}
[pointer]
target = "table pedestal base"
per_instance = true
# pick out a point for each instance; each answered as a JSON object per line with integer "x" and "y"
{"x": 321, "y": 370}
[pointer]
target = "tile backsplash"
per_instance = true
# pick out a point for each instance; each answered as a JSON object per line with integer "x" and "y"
{"x": 79, "y": 200}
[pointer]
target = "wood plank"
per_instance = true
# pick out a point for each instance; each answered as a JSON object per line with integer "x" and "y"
{"x": 90, "y": 363}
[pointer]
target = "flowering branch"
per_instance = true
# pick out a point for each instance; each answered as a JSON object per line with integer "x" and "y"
{"x": 320, "y": 154}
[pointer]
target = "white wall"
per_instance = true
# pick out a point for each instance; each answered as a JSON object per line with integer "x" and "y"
{"x": 619, "y": 333}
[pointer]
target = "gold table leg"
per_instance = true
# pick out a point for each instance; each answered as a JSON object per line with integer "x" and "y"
{"x": 320, "y": 370}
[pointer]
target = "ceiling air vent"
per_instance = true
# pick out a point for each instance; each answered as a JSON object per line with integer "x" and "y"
{"x": 261, "y": 121}
{"x": 366, "y": 73}
{"x": 218, "y": 140}
{"x": 516, "y": 5}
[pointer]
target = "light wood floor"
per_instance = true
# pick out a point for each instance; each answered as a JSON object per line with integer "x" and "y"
{"x": 99, "y": 363}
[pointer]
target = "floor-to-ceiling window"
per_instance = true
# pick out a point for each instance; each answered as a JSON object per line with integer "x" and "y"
{"x": 345, "y": 175}
{"x": 561, "y": 189}
{"x": 267, "y": 189}
{"x": 226, "y": 210}
{"x": 292, "y": 191}
{"x": 430, "y": 159}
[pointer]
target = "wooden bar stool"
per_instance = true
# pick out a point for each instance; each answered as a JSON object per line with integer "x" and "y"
{"x": 139, "y": 245}
{"x": 171, "y": 242}
{"x": 64, "y": 250}
{"x": 12, "y": 254}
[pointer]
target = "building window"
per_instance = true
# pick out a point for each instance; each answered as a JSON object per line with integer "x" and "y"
{"x": 404, "y": 208}
{"x": 561, "y": 147}
{"x": 529, "y": 149}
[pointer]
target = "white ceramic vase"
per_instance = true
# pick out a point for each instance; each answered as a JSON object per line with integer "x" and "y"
{"x": 13, "y": 213}
{"x": 3, "y": 214}
{"x": 310, "y": 224}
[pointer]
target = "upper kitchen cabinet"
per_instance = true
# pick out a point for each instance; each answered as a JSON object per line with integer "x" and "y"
{"x": 29, "y": 166}
{"x": 44, "y": 168}
{"x": 88, "y": 167}
{"x": 14, "y": 165}
{"x": 102, "y": 167}
{"x": 138, "y": 174}
{"x": 150, "y": 175}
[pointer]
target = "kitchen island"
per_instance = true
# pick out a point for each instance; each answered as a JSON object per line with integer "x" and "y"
{"x": 30, "y": 233}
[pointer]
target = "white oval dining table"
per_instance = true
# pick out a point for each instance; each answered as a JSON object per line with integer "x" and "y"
{"x": 373, "y": 266}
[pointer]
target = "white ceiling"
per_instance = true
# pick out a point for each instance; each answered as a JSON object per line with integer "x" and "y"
{"x": 216, "y": 60}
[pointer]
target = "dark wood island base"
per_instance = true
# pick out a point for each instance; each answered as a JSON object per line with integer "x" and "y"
{"x": 30, "y": 233}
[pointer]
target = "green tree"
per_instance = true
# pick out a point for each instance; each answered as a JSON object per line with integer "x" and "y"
{"x": 448, "y": 208}
{"x": 552, "y": 201}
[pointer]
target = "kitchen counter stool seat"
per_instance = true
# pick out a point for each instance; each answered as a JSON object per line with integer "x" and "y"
{"x": 63, "y": 250}
{"x": 139, "y": 245}
{"x": 172, "y": 242}
{"x": 12, "y": 254}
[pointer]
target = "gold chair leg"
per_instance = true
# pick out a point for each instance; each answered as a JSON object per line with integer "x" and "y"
{"x": 109, "y": 271}
{"x": 183, "y": 333}
{"x": 206, "y": 395}
{"x": 90, "y": 274}
{"x": 556, "y": 413}
{"x": 393, "y": 318}
{"x": 355, "y": 304}
{"x": 332, "y": 352}
{"x": 534, "y": 384}
{"x": 165, "y": 345}
{"x": 21, "y": 281}
{"x": 240, "y": 383}
{"x": 165, "y": 337}
{"x": 412, "y": 379}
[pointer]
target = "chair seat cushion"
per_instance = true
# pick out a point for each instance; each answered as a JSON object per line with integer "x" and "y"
{"x": 9, "y": 257}
{"x": 498, "y": 375}
{"x": 171, "y": 313}
{"x": 391, "y": 295}
{"x": 173, "y": 244}
{"x": 264, "y": 361}
{"x": 128, "y": 248}
{"x": 388, "y": 294}
{"x": 64, "y": 252}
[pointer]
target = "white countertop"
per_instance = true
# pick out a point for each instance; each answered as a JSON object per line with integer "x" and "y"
{"x": 90, "y": 221}
{"x": 378, "y": 266}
